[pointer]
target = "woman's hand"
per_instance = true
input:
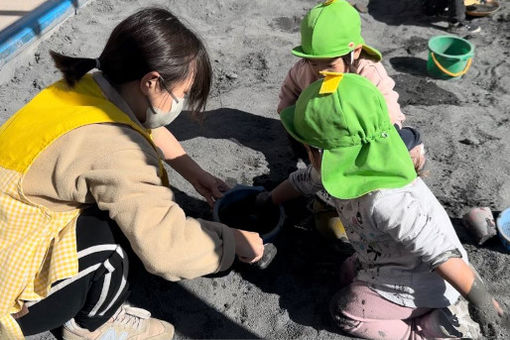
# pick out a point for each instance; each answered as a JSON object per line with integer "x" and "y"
{"x": 209, "y": 186}
{"x": 204, "y": 183}
{"x": 249, "y": 246}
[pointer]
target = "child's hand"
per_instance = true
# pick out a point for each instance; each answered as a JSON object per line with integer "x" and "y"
{"x": 249, "y": 247}
{"x": 263, "y": 201}
{"x": 418, "y": 157}
{"x": 490, "y": 316}
{"x": 482, "y": 306}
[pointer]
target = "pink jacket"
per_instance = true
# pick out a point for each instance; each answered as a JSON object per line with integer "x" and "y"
{"x": 301, "y": 75}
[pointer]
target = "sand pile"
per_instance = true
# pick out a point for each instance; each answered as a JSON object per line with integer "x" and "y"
{"x": 464, "y": 124}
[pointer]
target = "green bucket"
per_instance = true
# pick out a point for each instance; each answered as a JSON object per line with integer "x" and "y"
{"x": 449, "y": 56}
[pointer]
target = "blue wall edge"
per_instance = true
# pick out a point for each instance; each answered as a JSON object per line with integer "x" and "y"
{"x": 31, "y": 27}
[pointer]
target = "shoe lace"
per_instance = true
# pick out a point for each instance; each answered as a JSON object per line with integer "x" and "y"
{"x": 131, "y": 317}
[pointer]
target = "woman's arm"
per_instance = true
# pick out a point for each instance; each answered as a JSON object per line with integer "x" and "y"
{"x": 209, "y": 186}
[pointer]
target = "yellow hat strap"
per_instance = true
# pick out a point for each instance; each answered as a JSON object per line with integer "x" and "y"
{"x": 330, "y": 82}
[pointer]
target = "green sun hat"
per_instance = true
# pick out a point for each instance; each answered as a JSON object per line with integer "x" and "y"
{"x": 332, "y": 29}
{"x": 361, "y": 150}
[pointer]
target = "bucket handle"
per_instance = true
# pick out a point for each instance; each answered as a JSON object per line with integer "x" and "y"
{"x": 448, "y": 72}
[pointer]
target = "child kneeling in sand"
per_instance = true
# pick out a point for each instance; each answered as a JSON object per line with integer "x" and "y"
{"x": 409, "y": 265}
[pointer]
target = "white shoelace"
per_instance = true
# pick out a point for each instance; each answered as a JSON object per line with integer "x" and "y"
{"x": 131, "y": 316}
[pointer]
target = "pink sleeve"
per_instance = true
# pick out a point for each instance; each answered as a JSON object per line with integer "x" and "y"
{"x": 298, "y": 78}
{"x": 376, "y": 73}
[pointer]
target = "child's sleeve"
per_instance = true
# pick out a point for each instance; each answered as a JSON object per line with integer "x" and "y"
{"x": 307, "y": 181}
{"x": 404, "y": 219}
{"x": 410, "y": 136}
{"x": 298, "y": 78}
{"x": 376, "y": 73}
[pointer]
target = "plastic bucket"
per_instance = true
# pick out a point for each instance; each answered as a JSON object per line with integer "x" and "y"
{"x": 449, "y": 56}
{"x": 238, "y": 194}
{"x": 503, "y": 225}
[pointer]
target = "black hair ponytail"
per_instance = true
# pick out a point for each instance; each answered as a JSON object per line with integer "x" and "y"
{"x": 152, "y": 39}
{"x": 72, "y": 68}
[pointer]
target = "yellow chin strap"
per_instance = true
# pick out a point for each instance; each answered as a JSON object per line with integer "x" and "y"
{"x": 331, "y": 81}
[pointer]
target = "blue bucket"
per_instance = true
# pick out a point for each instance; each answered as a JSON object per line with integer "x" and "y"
{"x": 503, "y": 225}
{"x": 237, "y": 195}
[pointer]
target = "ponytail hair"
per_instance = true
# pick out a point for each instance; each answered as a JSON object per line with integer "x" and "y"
{"x": 152, "y": 39}
{"x": 72, "y": 68}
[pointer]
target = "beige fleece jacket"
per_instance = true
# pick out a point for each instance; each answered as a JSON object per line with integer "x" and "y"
{"x": 115, "y": 167}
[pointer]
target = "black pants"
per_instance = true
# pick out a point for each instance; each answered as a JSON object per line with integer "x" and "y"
{"x": 456, "y": 9}
{"x": 97, "y": 291}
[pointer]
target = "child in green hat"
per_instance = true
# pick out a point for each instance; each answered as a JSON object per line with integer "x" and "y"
{"x": 331, "y": 40}
{"x": 409, "y": 267}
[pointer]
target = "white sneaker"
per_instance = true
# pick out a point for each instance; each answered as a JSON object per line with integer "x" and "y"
{"x": 128, "y": 323}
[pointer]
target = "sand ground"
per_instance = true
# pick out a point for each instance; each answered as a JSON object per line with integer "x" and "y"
{"x": 464, "y": 124}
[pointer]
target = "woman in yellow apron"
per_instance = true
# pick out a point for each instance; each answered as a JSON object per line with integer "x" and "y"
{"x": 81, "y": 162}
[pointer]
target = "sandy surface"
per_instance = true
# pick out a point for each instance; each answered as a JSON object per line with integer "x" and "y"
{"x": 464, "y": 123}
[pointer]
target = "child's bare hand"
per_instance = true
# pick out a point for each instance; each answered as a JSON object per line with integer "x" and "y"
{"x": 418, "y": 156}
{"x": 490, "y": 317}
{"x": 249, "y": 246}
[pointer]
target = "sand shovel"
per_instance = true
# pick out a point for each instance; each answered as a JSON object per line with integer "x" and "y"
{"x": 269, "y": 254}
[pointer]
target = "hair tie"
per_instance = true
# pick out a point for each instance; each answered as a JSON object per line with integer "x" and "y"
{"x": 98, "y": 64}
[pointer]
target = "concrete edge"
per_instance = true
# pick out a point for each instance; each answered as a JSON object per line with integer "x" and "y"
{"x": 18, "y": 36}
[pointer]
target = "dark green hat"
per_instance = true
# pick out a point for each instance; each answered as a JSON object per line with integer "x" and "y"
{"x": 362, "y": 150}
{"x": 332, "y": 29}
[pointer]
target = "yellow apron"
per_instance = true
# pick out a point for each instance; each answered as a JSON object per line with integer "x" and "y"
{"x": 37, "y": 245}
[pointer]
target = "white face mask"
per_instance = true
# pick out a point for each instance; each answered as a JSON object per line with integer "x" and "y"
{"x": 155, "y": 117}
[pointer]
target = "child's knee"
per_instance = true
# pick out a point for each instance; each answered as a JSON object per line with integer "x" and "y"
{"x": 113, "y": 262}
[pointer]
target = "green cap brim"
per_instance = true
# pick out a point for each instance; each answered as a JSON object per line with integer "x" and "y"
{"x": 341, "y": 174}
{"x": 287, "y": 119}
{"x": 353, "y": 171}
{"x": 298, "y": 52}
{"x": 372, "y": 52}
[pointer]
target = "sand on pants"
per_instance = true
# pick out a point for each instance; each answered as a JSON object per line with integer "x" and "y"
{"x": 464, "y": 124}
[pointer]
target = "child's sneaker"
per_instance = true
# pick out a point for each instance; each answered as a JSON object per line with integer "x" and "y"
{"x": 463, "y": 27}
{"x": 128, "y": 323}
{"x": 480, "y": 223}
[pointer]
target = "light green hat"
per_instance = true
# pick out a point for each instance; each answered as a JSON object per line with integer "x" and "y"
{"x": 332, "y": 29}
{"x": 362, "y": 150}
